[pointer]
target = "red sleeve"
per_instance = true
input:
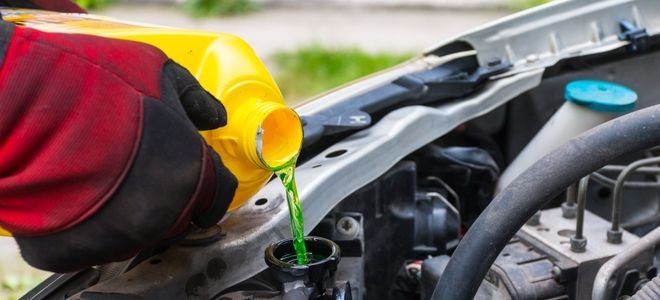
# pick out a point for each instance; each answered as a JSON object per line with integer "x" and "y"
{"x": 58, "y": 5}
{"x": 64, "y": 145}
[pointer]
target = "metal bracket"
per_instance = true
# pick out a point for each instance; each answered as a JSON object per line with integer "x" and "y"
{"x": 542, "y": 36}
{"x": 638, "y": 37}
{"x": 457, "y": 78}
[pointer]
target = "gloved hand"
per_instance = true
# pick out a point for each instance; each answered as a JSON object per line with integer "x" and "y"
{"x": 99, "y": 151}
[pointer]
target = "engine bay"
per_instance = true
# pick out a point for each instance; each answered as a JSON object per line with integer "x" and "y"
{"x": 400, "y": 178}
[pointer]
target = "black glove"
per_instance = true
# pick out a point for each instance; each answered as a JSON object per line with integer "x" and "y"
{"x": 100, "y": 158}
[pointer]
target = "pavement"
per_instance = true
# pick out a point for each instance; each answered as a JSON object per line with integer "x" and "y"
{"x": 277, "y": 29}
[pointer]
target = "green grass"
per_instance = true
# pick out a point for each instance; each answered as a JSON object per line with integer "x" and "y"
{"x": 14, "y": 287}
{"x": 94, "y": 4}
{"x": 314, "y": 69}
{"x": 211, "y": 8}
{"x": 17, "y": 277}
{"x": 518, "y": 5}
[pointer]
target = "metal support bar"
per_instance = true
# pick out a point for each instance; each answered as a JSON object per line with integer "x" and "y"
{"x": 607, "y": 278}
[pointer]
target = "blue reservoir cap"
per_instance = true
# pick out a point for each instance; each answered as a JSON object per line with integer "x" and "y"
{"x": 601, "y": 95}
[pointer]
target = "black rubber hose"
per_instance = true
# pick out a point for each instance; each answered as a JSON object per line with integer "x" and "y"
{"x": 543, "y": 181}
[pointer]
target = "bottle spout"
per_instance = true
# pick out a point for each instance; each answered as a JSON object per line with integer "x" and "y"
{"x": 272, "y": 134}
{"x": 279, "y": 137}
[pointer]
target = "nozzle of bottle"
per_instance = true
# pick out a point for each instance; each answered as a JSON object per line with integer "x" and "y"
{"x": 589, "y": 103}
{"x": 272, "y": 135}
{"x": 262, "y": 133}
{"x": 260, "y": 137}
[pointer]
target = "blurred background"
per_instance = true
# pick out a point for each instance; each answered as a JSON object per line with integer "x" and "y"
{"x": 310, "y": 46}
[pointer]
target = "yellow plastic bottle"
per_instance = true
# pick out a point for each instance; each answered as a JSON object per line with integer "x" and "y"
{"x": 262, "y": 132}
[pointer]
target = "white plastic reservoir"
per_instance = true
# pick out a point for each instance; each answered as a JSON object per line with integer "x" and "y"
{"x": 589, "y": 103}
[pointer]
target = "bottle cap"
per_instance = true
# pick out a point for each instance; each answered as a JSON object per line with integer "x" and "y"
{"x": 601, "y": 95}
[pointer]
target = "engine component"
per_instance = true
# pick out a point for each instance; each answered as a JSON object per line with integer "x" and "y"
{"x": 588, "y": 103}
{"x": 650, "y": 291}
{"x": 522, "y": 272}
{"x": 406, "y": 282}
{"x": 470, "y": 172}
{"x": 350, "y": 272}
{"x": 640, "y": 212}
{"x": 538, "y": 263}
{"x": 330, "y": 278}
{"x": 312, "y": 281}
{"x": 541, "y": 182}
{"x": 432, "y": 269}
{"x": 401, "y": 222}
{"x": 577, "y": 270}
{"x": 345, "y": 229}
{"x": 614, "y": 234}
{"x": 611, "y": 274}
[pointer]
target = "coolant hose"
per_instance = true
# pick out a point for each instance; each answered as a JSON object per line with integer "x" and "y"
{"x": 540, "y": 183}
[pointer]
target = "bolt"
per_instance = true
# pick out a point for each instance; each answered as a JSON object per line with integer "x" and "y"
{"x": 535, "y": 220}
{"x": 556, "y": 273}
{"x": 614, "y": 236}
{"x": 347, "y": 226}
{"x": 568, "y": 210}
{"x": 578, "y": 245}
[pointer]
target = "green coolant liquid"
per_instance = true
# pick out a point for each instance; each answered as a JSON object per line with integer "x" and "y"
{"x": 311, "y": 258}
{"x": 286, "y": 175}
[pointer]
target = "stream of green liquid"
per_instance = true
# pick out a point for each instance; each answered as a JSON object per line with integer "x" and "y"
{"x": 286, "y": 175}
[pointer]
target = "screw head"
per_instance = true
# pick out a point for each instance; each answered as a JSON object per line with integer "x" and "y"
{"x": 347, "y": 226}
